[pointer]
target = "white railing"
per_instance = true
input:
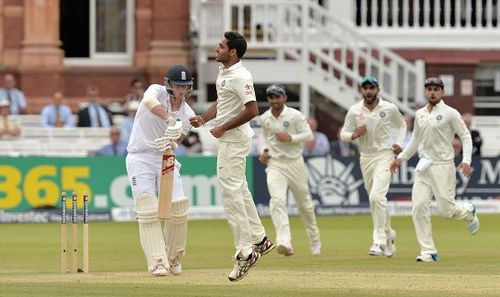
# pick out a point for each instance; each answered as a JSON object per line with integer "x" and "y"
{"x": 437, "y": 24}
{"x": 417, "y": 14}
{"x": 332, "y": 56}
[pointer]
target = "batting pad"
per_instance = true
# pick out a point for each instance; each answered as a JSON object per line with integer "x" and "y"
{"x": 176, "y": 229}
{"x": 151, "y": 236}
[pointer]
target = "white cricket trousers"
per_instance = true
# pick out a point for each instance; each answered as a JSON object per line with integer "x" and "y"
{"x": 377, "y": 178}
{"x": 144, "y": 173}
{"x": 438, "y": 180}
{"x": 239, "y": 206}
{"x": 281, "y": 175}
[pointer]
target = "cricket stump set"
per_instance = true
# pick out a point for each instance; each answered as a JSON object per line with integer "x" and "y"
{"x": 74, "y": 233}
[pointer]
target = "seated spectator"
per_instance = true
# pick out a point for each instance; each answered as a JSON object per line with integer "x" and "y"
{"x": 56, "y": 114}
{"x": 95, "y": 114}
{"x": 10, "y": 126}
{"x": 127, "y": 124}
{"x": 192, "y": 144}
{"x": 477, "y": 141}
{"x": 319, "y": 146}
{"x": 343, "y": 149}
{"x": 136, "y": 91}
{"x": 13, "y": 95}
{"x": 116, "y": 147}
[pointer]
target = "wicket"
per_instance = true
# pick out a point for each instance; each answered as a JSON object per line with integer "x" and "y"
{"x": 74, "y": 233}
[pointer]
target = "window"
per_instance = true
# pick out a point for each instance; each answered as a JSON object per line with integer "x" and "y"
{"x": 97, "y": 32}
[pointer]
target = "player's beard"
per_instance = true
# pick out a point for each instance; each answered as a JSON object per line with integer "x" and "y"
{"x": 369, "y": 101}
{"x": 433, "y": 101}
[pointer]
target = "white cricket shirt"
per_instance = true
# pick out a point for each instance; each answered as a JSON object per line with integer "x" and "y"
{"x": 234, "y": 89}
{"x": 379, "y": 123}
{"x": 291, "y": 121}
{"x": 147, "y": 126}
{"x": 433, "y": 134}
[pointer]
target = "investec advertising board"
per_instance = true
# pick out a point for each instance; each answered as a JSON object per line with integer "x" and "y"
{"x": 30, "y": 187}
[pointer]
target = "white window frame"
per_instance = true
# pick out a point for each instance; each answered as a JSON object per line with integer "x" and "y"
{"x": 107, "y": 59}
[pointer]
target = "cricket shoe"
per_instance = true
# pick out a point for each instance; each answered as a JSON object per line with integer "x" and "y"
{"x": 242, "y": 266}
{"x": 390, "y": 247}
{"x": 428, "y": 258}
{"x": 175, "y": 266}
{"x": 264, "y": 247}
{"x": 377, "y": 250}
{"x": 159, "y": 268}
{"x": 473, "y": 225}
{"x": 284, "y": 250}
{"x": 316, "y": 248}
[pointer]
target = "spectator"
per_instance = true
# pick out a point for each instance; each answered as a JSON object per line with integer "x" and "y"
{"x": 319, "y": 146}
{"x": 127, "y": 124}
{"x": 116, "y": 147}
{"x": 10, "y": 126}
{"x": 56, "y": 114}
{"x": 343, "y": 149}
{"x": 95, "y": 114}
{"x": 477, "y": 141}
{"x": 120, "y": 106}
{"x": 192, "y": 144}
{"x": 136, "y": 91}
{"x": 14, "y": 96}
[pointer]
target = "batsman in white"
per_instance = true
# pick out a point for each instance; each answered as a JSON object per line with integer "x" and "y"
{"x": 285, "y": 130}
{"x": 435, "y": 127}
{"x": 235, "y": 107}
{"x": 370, "y": 123}
{"x": 150, "y": 136}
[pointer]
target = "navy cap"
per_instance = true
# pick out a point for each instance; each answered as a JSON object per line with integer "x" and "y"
{"x": 434, "y": 81}
{"x": 369, "y": 80}
{"x": 277, "y": 90}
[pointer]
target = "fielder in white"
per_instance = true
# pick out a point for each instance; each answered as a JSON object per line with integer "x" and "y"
{"x": 234, "y": 108}
{"x": 435, "y": 126}
{"x": 285, "y": 130}
{"x": 150, "y": 136}
{"x": 370, "y": 122}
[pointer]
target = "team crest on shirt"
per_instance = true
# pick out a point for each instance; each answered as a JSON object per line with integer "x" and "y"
{"x": 439, "y": 117}
{"x": 223, "y": 83}
{"x": 248, "y": 89}
{"x": 382, "y": 114}
{"x": 286, "y": 124}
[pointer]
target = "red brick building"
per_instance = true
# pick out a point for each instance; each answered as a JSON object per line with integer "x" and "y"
{"x": 67, "y": 45}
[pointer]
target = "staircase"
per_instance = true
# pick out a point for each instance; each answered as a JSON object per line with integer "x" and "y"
{"x": 300, "y": 42}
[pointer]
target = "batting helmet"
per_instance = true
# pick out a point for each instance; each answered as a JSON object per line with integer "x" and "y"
{"x": 179, "y": 75}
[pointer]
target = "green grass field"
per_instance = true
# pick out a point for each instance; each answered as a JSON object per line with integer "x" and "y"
{"x": 470, "y": 265}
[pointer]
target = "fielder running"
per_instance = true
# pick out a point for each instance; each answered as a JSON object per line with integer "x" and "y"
{"x": 435, "y": 127}
{"x": 285, "y": 130}
{"x": 370, "y": 122}
{"x": 235, "y": 107}
{"x": 150, "y": 136}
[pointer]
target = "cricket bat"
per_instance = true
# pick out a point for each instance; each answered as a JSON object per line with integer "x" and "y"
{"x": 166, "y": 182}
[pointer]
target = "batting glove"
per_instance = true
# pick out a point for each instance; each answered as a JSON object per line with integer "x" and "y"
{"x": 163, "y": 143}
{"x": 174, "y": 131}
